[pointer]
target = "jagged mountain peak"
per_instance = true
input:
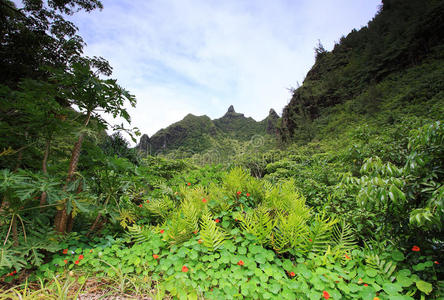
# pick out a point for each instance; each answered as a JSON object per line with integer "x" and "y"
{"x": 194, "y": 133}
{"x": 273, "y": 114}
{"x": 231, "y": 113}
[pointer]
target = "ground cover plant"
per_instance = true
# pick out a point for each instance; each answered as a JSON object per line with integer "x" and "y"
{"x": 345, "y": 201}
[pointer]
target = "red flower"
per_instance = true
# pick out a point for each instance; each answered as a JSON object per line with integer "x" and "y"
{"x": 415, "y": 248}
{"x": 235, "y": 220}
{"x": 147, "y": 201}
{"x": 217, "y": 220}
{"x": 310, "y": 240}
{"x": 240, "y": 263}
{"x": 91, "y": 251}
{"x": 185, "y": 269}
{"x": 162, "y": 231}
{"x": 204, "y": 200}
{"x": 238, "y": 193}
{"x": 80, "y": 256}
{"x": 365, "y": 284}
{"x": 292, "y": 274}
{"x": 140, "y": 205}
{"x": 65, "y": 261}
{"x": 436, "y": 262}
{"x": 155, "y": 256}
{"x": 76, "y": 262}
{"x": 346, "y": 256}
{"x": 189, "y": 183}
{"x": 325, "y": 294}
{"x": 199, "y": 241}
{"x": 65, "y": 251}
{"x": 195, "y": 231}
{"x": 248, "y": 194}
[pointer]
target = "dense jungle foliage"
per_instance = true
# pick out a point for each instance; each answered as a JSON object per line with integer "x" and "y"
{"x": 346, "y": 202}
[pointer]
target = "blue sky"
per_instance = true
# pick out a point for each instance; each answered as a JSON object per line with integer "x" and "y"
{"x": 200, "y": 56}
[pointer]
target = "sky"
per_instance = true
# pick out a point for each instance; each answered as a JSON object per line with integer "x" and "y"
{"x": 201, "y": 56}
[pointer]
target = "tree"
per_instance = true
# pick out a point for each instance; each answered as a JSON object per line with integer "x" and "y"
{"x": 82, "y": 87}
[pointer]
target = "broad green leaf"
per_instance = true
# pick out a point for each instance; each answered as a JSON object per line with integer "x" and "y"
{"x": 398, "y": 255}
{"x": 424, "y": 287}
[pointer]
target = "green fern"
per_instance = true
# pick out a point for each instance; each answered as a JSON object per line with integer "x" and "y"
{"x": 321, "y": 229}
{"x": 126, "y": 217}
{"x": 191, "y": 215}
{"x": 11, "y": 259}
{"x": 212, "y": 236}
{"x": 290, "y": 232}
{"x": 160, "y": 207}
{"x": 343, "y": 238}
{"x": 179, "y": 229}
{"x": 139, "y": 234}
{"x": 285, "y": 197}
{"x": 236, "y": 180}
{"x": 259, "y": 223}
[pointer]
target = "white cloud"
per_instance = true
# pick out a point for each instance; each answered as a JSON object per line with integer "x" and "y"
{"x": 200, "y": 56}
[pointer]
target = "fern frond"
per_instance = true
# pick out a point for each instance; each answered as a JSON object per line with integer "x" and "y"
{"x": 320, "y": 233}
{"x": 160, "y": 207}
{"x": 126, "y": 217}
{"x": 343, "y": 238}
{"x": 212, "y": 236}
{"x": 10, "y": 258}
{"x": 179, "y": 229}
{"x": 290, "y": 232}
{"x": 139, "y": 234}
{"x": 259, "y": 223}
{"x": 284, "y": 197}
{"x": 191, "y": 215}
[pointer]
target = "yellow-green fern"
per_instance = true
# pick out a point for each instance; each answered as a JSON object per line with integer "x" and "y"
{"x": 291, "y": 232}
{"x": 212, "y": 236}
{"x": 259, "y": 223}
{"x": 160, "y": 207}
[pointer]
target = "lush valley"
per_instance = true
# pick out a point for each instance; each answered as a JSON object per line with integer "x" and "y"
{"x": 340, "y": 198}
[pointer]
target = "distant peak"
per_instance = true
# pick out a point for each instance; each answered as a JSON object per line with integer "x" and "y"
{"x": 231, "y": 109}
{"x": 273, "y": 113}
{"x": 144, "y": 137}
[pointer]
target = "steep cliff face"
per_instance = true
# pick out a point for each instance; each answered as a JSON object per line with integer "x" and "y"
{"x": 271, "y": 122}
{"x": 144, "y": 144}
{"x": 195, "y": 134}
{"x": 403, "y": 35}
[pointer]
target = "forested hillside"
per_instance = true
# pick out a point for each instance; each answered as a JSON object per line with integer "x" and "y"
{"x": 388, "y": 70}
{"x": 197, "y": 134}
{"x": 340, "y": 198}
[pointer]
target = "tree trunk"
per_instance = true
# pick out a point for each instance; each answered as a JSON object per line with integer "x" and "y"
{"x": 45, "y": 170}
{"x": 61, "y": 218}
{"x": 69, "y": 223}
{"x": 94, "y": 225}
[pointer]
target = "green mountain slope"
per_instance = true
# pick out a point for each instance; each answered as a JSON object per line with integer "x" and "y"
{"x": 196, "y": 134}
{"x": 386, "y": 71}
